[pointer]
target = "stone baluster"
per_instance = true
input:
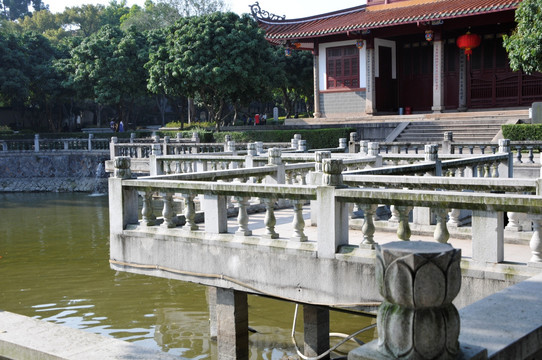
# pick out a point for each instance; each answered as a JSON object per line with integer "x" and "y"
{"x": 487, "y": 170}
{"x": 531, "y": 154}
{"x": 167, "y": 212}
{"x": 514, "y": 221}
{"x": 270, "y": 221}
{"x": 417, "y": 319}
{"x": 147, "y": 215}
{"x": 189, "y": 213}
{"x": 536, "y": 240}
{"x": 394, "y": 214}
{"x": 368, "y": 229}
{"x": 298, "y": 222}
{"x": 441, "y": 233}
{"x": 494, "y": 169}
{"x": 454, "y": 220}
{"x": 403, "y": 230}
{"x": 518, "y": 160}
{"x": 242, "y": 217}
{"x": 483, "y": 149}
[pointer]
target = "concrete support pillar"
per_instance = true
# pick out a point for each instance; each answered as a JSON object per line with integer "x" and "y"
{"x": 316, "y": 330}
{"x": 438, "y": 65}
{"x": 211, "y": 302}
{"x": 316, "y": 75}
{"x": 487, "y": 236}
{"x": 370, "y": 99}
{"x": 232, "y": 329}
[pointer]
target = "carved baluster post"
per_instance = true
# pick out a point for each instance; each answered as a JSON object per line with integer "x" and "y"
{"x": 441, "y": 233}
{"x": 403, "y": 231}
{"x": 189, "y": 213}
{"x": 270, "y": 221}
{"x": 536, "y": 239}
{"x": 167, "y": 211}
{"x": 242, "y": 217}
{"x": 368, "y": 228}
{"x": 147, "y": 215}
{"x": 417, "y": 319}
{"x": 454, "y": 219}
{"x": 298, "y": 222}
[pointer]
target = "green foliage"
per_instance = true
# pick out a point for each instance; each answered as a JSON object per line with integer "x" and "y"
{"x": 16, "y": 9}
{"x": 217, "y": 59}
{"x": 522, "y": 132}
{"x": 524, "y": 46}
{"x": 194, "y": 125}
{"x": 316, "y": 139}
{"x": 108, "y": 66}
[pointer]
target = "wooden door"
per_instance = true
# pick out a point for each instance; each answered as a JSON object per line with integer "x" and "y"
{"x": 385, "y": 85}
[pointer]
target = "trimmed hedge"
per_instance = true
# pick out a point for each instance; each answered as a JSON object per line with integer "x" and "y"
{"x": 316, "y": 139}
{"x": 522, "y": 132}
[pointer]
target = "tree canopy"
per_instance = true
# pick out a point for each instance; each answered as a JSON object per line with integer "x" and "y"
{"x": 524, "y": 46}
{"x": 217, "y": 59}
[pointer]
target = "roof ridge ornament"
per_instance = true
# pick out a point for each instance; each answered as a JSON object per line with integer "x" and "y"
{"x": 258, "y": 13}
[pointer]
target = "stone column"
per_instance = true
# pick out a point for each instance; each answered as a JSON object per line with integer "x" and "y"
{"x": 316, "y": 75}
{"x": 332, "y": 214}
{"x": 275, "y": 159}
{"x": 36, "y": 142}
{"x": 232, "y": 324}
{"x": 462, "y": 82}
{"x": 112, "y": 152}
{"x": 123, "y": 209}
{"x": 417, "y": 319}
{"x": 316, "y": 330}
{"x": 438, "y": 65}
{"x": 315, "y": 178}
{"x": 370, "y": 99}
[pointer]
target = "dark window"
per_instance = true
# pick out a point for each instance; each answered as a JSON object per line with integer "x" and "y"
{"x": 342, "y": 67}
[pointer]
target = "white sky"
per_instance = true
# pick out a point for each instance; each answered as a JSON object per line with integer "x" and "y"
{"x": 292, "y": 9}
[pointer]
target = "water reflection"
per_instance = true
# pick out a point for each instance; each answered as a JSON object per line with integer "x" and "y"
{"x": 54, "y": 266}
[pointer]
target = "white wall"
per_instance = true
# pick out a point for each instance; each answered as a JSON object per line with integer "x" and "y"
{"x": 322, "y": 50}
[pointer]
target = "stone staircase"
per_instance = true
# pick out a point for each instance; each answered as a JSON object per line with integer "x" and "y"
{"x": 481, "y": 128}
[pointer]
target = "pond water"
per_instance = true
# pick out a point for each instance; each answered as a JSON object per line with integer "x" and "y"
{"x": 54, "y": 253}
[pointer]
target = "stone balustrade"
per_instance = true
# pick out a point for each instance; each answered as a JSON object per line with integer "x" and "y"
{"x": 400, "y": 193}
{"x": 62, "y": 144}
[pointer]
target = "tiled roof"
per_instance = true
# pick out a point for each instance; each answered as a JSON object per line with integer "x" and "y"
{"x": 363, "y": 17}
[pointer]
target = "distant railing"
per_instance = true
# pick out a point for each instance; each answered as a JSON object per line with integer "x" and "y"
{"x": 47, "y": 145}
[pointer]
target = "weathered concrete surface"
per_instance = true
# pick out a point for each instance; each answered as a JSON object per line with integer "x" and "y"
{"x": 22, "y": 337}
{"x": 506, "y": 330}
{"x": 282, "y": 268}
{"x": 57, "y": 172}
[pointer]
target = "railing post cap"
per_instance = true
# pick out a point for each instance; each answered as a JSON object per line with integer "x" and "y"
{"x": 122, "y": 167}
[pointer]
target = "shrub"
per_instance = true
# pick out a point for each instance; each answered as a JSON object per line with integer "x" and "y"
{"x": 316, "y": 139}
{"x": 522, "y": 132}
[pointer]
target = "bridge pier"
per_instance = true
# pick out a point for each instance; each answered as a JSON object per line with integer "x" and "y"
{"x": 232, "y": 324}
{"x": 316, "y": 330}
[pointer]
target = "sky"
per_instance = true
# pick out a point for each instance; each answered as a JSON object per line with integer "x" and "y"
{"x": 292, "y": 9}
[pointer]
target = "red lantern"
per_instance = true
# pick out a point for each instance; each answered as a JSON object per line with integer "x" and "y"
{"x": 468, "y": 42}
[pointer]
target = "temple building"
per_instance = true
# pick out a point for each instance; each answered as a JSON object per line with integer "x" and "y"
{"x": 414, "y": 55}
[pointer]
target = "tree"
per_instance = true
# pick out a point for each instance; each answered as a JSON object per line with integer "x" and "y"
{"x": 524, "y": 46}
{"x": 297, "y": 82}
{"x": 14, "y": 82}
{"x": 16, "y": 9}
{"x": 217, "y": 59}
{"x": 108, "y": 68}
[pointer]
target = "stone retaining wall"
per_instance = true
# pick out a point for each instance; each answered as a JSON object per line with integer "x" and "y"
{"x": 55, "y": 172}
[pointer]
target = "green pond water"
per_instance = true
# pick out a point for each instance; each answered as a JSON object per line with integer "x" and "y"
{"x": 54, "y": 253}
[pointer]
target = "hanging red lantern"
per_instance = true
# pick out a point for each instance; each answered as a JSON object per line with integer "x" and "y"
{"x": 468, "y": 42}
